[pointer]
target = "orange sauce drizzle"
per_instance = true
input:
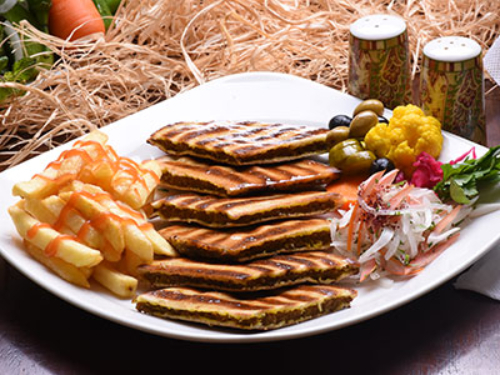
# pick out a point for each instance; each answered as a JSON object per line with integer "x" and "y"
{"x": 82, "y": 233}
{"x": 53, "y": 245}
{"x": 133, "y": 173}
{"x": 100, "y": 220}
{"x": 31, "y": 233}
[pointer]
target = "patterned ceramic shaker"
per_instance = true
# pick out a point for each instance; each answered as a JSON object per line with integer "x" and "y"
{"x": 452, "y": 86}
{"x": 379, "y": 60}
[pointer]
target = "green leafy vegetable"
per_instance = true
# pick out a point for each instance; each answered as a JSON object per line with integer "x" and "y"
{"x": 460, "y": 180}
{"x": 4, "y": 64}
{"x": 104, "y": 11}
{"x": 113, "y": 5}
{"x": 19, "y": 13}
{"x": 23, "y": 71}
{"x": 21, "y": 58}
{"x": 41, "y": 8}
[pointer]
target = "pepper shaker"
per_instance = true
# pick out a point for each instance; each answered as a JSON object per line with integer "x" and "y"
{"x": 379, "y": 60}
{"x": 452, "y": 86}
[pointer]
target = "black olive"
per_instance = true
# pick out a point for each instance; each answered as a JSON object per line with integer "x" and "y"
{"x": 381, "y": 164}
{"x": 382, "y": 120}
{"x": 339, "y": 120}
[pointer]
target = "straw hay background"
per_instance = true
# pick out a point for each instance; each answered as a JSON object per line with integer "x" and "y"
{"x": 157, "y": 48}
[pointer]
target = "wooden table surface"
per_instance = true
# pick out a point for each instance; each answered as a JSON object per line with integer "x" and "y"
{"x": 447, "y": 331}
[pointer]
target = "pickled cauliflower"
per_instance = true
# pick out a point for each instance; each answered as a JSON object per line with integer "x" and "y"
{"x": 409, "y": 133}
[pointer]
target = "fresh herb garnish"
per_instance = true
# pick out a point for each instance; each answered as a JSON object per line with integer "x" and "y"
{"x": 460, "y": 180}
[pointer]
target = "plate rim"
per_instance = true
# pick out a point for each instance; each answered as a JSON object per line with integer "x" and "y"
{"x": 227, "y": 337}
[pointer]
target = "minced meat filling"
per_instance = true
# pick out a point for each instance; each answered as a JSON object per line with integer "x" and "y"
{"x": 315, "y": 241}
{"x": 221, "y": 219}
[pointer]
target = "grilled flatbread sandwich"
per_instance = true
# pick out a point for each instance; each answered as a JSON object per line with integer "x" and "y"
{"x": 241, "y": 143}
{"x": 241, "y": 245}
{"x": 271, "y": 273}
{"x": 193, "y": 175}
{"x": 219, "y": 212}
{"x": 275, "y": 310}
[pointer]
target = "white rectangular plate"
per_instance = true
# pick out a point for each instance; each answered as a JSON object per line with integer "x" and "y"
{"x": 249, "y": 96}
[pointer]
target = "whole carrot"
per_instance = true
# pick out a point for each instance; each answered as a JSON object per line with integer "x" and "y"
{"x": 74, "y": 19}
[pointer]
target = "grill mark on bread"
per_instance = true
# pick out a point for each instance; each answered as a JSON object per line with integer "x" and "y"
{"x": 249, "y": 243}
{"x": 271, "y": 273}
{"x": 216, "y": 212}
{"x": 189, "y": 174}
{"x": 200, "y": 132}
{"x": 241, "y": 144}
{"x": 279, "y": 309}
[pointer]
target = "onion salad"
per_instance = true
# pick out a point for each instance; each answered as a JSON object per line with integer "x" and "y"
{"x": 395, "y": 228}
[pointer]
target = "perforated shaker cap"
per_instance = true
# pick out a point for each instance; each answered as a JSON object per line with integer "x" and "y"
{"x": 452, "y": 49}
{"x": 378, "y": 27}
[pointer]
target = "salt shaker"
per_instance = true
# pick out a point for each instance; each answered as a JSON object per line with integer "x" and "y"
{"x": 452, "y": 86}
{"x": 379, "y": 60}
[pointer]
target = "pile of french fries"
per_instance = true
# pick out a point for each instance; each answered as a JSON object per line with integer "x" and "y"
{"x": 81, "y": 217}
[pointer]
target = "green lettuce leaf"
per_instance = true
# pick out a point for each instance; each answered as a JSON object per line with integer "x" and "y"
{"x": 460, "y": 181}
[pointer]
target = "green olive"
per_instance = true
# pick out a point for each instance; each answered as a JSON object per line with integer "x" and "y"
{"x": 370, "y": 105}
{"x": 350, "y": 157}
{"x": 362, "y": 123}
{"x": 358, "y": 163}
{"x": 341, "y": 151}
{"x": 337, "y": 134}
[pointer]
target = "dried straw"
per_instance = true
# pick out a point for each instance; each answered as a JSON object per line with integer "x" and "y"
{"x": 158, "y": 48}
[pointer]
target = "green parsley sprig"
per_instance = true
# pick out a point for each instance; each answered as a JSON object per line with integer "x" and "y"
{"x": 460, "y": 180}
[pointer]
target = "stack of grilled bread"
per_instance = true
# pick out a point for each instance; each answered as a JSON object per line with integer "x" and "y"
{"x": 243, "y": 209}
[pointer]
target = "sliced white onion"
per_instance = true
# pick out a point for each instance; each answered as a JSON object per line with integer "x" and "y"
{"x": 385, "y": 237}
{"x": 434, "y": 239}
{"x": 393, "y": 247}
{"x": 345, "y": 219}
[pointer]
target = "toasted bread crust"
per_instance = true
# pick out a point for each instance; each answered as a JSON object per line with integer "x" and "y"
{"x": 241, "y": 143}
{"x": 218, "y": 212}
{"x": 187, "y": 174}
{"x": 275, "y": 310}
{"x": 249, "y": 243}
{"x": 275, "y": 272}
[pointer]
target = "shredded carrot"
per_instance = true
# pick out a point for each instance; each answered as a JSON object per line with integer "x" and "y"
{"x": 350, "y": 231}
{"x": 395, "y": 267}
{"x": 367, "y": 268}
{"x": 447, "y": 220}
{"x": 371, "y": 182}
{"x": 398, "y": 198}
{"x": 424, "y": 259}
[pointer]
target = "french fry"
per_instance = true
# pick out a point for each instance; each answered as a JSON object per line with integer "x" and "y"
{"x": 67, "y": 249}
{"x": 138, "y": 243}
{"x": 110, "y": 253}
{"x": 160, "y": 245}
{"x": 120, "y": 284}
{"x": 49, "y": 211}
{"x": 62, "y": 171}
{"x": 134, "y": 183}
{"x": 67, "y": 271}
{"x": 96, "y": 136}
{"x": 37, "y": 209}
{"x": 131, "y": 261}
{"x": 90, "y": 198}
{"x": 38, "y": 187}
{"x": 109, "y": 226}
